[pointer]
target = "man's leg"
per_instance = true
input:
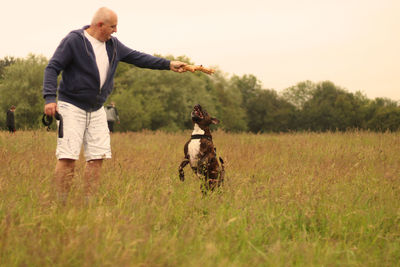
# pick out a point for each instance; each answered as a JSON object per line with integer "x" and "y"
{"x": 92, "y": 176}
{"x": 64, "y": 174}
{"x": 97, "y": 147}
{"x": 110, "y": 126}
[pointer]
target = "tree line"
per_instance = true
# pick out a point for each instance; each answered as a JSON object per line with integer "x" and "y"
{"x": 163, "y": 100}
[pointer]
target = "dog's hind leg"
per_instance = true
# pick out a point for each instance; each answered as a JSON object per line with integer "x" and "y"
{"x": 181, "y": 173}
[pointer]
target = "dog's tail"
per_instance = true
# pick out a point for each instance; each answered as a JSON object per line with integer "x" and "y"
{"x": 222, "y": 175}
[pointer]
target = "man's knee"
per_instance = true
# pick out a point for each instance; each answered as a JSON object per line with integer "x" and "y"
{"x": 65, "y": 167}
{"x": 66, "y": 163}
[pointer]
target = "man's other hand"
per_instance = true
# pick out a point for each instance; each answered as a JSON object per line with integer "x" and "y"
{"x": 177, "y": 66}
{"x": 50, "y": 109}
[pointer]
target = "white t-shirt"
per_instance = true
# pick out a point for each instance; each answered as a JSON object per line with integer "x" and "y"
{"x": 101, "y": 55}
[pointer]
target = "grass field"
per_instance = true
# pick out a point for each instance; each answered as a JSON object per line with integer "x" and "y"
{"x": 299, "y": 199}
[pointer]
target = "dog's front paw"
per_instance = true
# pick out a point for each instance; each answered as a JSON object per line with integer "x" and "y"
{"x": 182, "y": 177}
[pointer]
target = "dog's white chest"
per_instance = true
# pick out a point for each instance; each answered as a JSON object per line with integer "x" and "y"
{"x": 194, "y": 146}
{"x": 194, "y": 151}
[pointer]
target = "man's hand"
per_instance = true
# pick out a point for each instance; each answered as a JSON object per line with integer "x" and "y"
{"x": 177, "y": 66}
{"x": 50, "y": 109}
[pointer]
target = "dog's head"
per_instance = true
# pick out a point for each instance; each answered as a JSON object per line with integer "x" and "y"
{"x": 202, "y": 118}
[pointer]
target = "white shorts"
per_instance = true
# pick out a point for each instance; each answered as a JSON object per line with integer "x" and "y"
{"x": 89, "y": 128}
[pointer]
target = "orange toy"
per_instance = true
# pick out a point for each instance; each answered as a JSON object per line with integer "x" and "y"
{"x": 193, "y": 68}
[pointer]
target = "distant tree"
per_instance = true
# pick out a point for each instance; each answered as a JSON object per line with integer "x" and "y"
{"x": 229, "y": 109}
{"x": 331, "y": 108}
{"x": 248, "y": 85}
{"x": 5, "y": 62}
{"x": 132, "y": 115}
{"x": 386, "y": 119}
{"x": 383, "y": 114}
{"x": 299, "y": 94}
{"x": 268, "y": 112}
{"x": 22, "y": 87}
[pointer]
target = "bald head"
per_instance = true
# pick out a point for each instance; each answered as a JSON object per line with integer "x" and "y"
{"x": 104, "y": 23}
{"x": 104, "y": 15}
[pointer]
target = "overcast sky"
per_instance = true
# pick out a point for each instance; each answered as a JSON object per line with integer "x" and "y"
{"x": 353, "y": 43}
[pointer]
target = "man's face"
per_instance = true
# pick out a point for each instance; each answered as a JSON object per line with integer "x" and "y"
{"x": 109, "y": 27}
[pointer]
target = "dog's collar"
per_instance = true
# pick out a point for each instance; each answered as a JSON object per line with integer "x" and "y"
{"x": 199, "y": 136}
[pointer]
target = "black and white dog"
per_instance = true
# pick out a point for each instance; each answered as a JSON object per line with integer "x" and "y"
{"x": 201, "y": 153}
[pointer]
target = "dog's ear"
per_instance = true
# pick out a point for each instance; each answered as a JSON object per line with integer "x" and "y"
{"x": 214, "y": 121}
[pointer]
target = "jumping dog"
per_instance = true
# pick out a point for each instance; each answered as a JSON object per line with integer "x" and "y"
{"x": 201, "y": 153}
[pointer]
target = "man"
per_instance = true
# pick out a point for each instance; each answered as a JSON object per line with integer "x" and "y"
{"x": 88, "y": 59}
{"x": 112, "y": 116}
{"x": 10, "y": 121}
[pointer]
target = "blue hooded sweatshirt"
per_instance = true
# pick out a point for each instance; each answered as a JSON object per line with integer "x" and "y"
{"x": 80, "y": 78}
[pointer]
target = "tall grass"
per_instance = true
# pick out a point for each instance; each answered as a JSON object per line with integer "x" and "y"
{"x": 299, "y": 199}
